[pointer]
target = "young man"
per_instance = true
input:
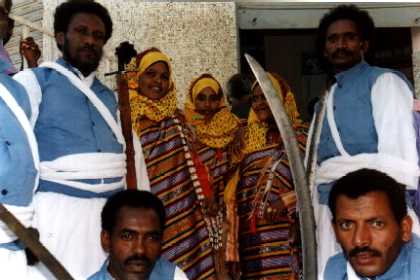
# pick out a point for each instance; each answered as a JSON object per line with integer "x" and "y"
{"x": 132, "y": 228}
{"x": 79, "y": 138}
{"x": 368, "y": 120}
{"x": 372, "y": 226}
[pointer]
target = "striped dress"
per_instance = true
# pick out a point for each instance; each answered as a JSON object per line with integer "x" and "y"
{"x": 266, "y": 248}
{"x": 186, "y": 239}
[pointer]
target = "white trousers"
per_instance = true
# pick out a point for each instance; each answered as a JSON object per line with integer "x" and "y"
{"x": 13, "y": 266}
{"x": 70, "y": 228}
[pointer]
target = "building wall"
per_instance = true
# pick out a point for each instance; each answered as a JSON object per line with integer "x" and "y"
{"x": 31, "y": 10}
{"x": 199, "y": 37}
{"x": 415, "y": 37}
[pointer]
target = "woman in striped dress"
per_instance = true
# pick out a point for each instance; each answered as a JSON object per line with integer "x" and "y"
{"x": 215, "y": 129}
{"x": 265, "y": 193}
{"x": 167, "y": 169}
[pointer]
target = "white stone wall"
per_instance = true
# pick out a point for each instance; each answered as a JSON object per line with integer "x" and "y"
{"x": 31, "y": 10}
{"x": 198, "y": 36}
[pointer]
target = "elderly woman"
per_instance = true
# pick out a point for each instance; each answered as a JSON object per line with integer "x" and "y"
{"x": 165, "y": 167}
{"x": 215, "y": 129}
{"x": 265, "y": 193}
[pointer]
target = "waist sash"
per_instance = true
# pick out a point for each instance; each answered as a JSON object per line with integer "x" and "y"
{"x": 66, "y": 169}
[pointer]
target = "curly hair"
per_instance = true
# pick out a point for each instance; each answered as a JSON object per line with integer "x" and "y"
{"x": 364, "y": 24}
{"x": 65, "y": 12}
{"x": 133, "y": 199}
{"x": 363, "y": 181}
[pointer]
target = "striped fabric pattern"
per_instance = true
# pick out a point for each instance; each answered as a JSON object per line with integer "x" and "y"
{"x": 186, "y": 239}
{"x": 267, "y": 254}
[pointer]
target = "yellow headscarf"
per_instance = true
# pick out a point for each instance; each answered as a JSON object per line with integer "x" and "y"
{"x": 220, "y": 130}
{"x": 155, "y": 110}
{"x": 255, "y": 138}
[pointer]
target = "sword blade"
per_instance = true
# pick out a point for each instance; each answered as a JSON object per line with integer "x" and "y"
{"x": 306, "y": 214}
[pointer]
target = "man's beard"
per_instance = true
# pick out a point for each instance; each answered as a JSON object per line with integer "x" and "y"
{"x": 84, "y": 66}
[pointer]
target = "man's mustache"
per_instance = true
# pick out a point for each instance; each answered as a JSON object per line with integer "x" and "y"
{"x": 91, "y": 49}
{"x": 138, "y": 258}
{"x": 342, "y": 52}
{"x": 359, "y": 250}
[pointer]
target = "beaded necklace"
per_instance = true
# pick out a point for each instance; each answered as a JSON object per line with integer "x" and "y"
{"x": 214, "y": 224}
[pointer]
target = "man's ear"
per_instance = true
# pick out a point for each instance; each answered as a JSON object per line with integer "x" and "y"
{"x": 364, "y": 46}
{"x": 406, "y": 226}
{"x": 105, "y": 240}
{"x": 59, "y": 38}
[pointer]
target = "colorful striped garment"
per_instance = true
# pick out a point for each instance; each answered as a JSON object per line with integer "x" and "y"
{"x": 266, "y": 246}
{"x": 186, "y": 239}
{"x": 220, "y": 168}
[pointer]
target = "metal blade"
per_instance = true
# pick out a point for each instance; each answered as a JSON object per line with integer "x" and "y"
{"x": 306, "y": 213}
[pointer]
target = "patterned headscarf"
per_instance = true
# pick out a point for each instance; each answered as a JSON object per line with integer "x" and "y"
{"x": 155, "y": 110}
{"x": 220, "y": 130}
{"x": 255, "y": 138}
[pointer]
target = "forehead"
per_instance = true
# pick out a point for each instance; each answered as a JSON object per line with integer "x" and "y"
{"x": 137, "y": 219}
{"x": 368, "y": 206}
{"x": 207, "y": 91}
{"x": 86, "y": 19}
{"x": 342, "y": 26}
{"x": 159, "y": 66}
{"x": 257, "y": 90}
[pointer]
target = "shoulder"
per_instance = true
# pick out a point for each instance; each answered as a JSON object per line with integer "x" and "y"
{"x": 100, "y": 85}
{"x": 335, "y": 268}
{"x": 415, "y": 245}
{"x": 390, "y": 75}
{"x": 163, "y": 269}
{"x": 96, "y": 276}
{"x": 16, "y": 90}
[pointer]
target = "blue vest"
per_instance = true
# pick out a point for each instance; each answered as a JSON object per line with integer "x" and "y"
{"x": 353, "y": 112}
{"x": 163, "y": 270}
{"x": 68, "y": 123}
{"x": 405, "y": 267}
{"x": 17, "y": 171}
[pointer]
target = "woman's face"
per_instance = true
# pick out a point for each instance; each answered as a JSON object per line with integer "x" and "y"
{"x": 207, "y": 102}
{"x": 154, "y": 82}
{"x": 260, "y": 105}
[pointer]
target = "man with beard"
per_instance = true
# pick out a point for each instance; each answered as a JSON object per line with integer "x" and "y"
{"x": 132, "y": 228}
{"x": 80, "y": 141}
{"x": 372, "y": 226}
{"x": 368, "y": 117}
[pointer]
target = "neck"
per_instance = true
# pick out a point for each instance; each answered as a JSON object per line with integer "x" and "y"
{"x": 341, "y": 68}
{"x": 85, "y": 73}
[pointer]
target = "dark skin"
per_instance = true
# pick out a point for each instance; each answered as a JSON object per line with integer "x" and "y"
{"x": 369, "y": 233}
{"x": 344, "y": 45}
{"x": 134, "y": 244}
{"x": 82, "y": 44}
{"x": 30, "y": 51}
{"x": 276, "y": 210}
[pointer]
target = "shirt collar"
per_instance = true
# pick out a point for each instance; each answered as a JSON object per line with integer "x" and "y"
{"x": 354, "y": 71}
{"x": 86, "y": 80}
{"x": 104, "y": 271}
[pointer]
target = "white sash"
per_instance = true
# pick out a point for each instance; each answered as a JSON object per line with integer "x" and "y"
{"x": 336, "y": 167}
{"x": 331, "y": 121}
{"x": 102, "y": 109}
{"x": 24, "y": 122}
{"x": 64, "y": 170}
{"x": 351, "y": 275}
{"x": 142, "y": 177}
{"x": 24, "y": 214}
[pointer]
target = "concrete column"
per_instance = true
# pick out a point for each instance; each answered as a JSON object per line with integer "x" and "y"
{"x": 415, "y": 37}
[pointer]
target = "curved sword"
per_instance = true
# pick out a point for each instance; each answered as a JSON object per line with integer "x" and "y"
{"x": 306, "y": 214}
